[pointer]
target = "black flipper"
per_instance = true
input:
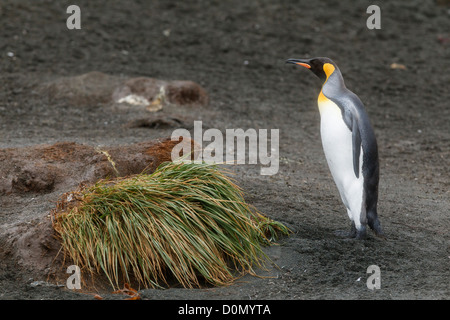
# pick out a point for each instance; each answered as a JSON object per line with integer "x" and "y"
{"x": 356, "y": 142}
{"x": 352, "y": 123}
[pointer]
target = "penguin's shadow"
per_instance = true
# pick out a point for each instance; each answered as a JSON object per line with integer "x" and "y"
{"x": 345, "y": 235}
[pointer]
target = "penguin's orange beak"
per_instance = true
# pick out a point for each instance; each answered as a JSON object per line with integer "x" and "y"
{"x": 300, "y": 62}
{"x": 304, "y": 65}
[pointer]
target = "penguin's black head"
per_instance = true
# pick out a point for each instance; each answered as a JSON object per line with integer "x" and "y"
{"x": 322, "y": 67}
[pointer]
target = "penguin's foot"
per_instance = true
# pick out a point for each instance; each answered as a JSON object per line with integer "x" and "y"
{"x": 354, "y": 233}
{"x": 374, "y": 224}
{"x": 380, "y": 234}
{"x": 361, "y": 234}
{"x": 348, "y": 235}
{"x": 376, "y": 227}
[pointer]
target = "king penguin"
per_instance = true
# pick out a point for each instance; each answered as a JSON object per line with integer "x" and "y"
{"x": 349, "y": 145}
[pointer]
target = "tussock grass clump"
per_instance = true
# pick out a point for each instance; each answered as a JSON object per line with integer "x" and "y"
{"x": 187, "y": 222}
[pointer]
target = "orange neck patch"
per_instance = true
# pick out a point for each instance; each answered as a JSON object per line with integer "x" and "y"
{"x": 328, "y": 68}
{"x": 322, "y": 97}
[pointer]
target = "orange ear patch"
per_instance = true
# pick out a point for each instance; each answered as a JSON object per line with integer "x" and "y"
{"x": 328, "y": 68}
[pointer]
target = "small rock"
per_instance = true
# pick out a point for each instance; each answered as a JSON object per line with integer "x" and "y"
{"x": 398, "y": 66}
{"x": 44, "y": 284}
{"x": 134, "y": 99}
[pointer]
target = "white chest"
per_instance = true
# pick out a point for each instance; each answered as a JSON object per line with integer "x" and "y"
{"x": 337, "y": 145}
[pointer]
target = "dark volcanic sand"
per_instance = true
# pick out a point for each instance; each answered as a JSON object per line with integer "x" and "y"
{"x": 236, "y": 51}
